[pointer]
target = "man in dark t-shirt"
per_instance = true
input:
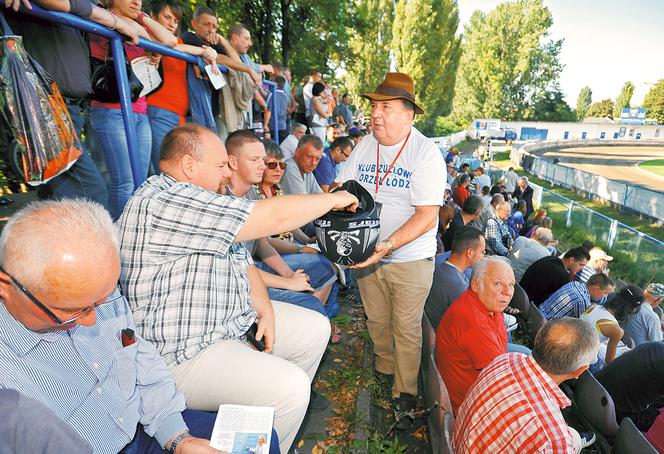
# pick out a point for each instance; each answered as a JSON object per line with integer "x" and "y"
{"x": 635, "y": 381}
{"x": 548, "y": 274}
{"x": 472, "y": 207}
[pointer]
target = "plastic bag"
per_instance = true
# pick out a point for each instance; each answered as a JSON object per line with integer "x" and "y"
{"x": 36, "y": 113}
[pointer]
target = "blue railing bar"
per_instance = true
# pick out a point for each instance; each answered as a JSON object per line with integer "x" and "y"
{"x": 117, "y": 49}
{"x": 98, "y": 29}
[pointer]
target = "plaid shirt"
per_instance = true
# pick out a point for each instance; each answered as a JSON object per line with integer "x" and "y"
{"x": 184, "y": 276}
{"x": 513, "y": 407}
{"x": 497, "y": 234}
{"x": 570, "y": 300}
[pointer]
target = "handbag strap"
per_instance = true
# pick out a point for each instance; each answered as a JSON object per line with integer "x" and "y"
{"x": 6, "y": 29}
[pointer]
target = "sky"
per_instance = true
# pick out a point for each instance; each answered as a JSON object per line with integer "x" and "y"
{"x": 606, "y": 43}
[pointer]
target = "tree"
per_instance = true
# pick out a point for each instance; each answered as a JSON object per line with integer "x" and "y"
{"x": 552, "y": 107}
{"x": 425, "y": 46}
{"x": 623, "y": 99}
{"x": 508, "y": 64}
{"x": 370, "y": 35}
{"x": 583, "y": 102}
{"x": 654, "y": 102}
{"x": 601, "y": 109}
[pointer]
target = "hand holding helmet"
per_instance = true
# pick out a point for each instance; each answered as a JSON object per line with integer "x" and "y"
{"x": 348, "y": 237}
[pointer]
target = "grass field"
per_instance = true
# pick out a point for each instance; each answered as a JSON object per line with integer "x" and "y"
{"x": 655, "y": 166}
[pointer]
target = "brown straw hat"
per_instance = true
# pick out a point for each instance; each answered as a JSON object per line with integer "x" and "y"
{"x": 395, "y": 86}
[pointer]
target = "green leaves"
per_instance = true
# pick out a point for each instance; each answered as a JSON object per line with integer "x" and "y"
{"x": 507, "y": 66}
{"x": 654, "y": 102}
{"x": 583, "y": 102}
{"x": 623, "y": 99}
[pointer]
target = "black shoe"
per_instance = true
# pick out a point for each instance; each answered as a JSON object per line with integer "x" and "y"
{"x": 317, "y": 402}
{"x": 403, "y": 411}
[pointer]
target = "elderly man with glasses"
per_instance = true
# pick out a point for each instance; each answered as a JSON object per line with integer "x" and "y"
{"x": 67, "y": 335}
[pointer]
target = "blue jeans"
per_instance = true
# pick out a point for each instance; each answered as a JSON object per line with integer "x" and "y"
{"x": 83, "y": 178}
{"x": 111, "y": 137}
{"x": 161, "y": 122}
{"x": 200, "y": 424}
{"x": 319, "y": 270}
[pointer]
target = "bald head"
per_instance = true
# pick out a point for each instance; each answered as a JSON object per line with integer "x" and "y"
{"x": 565, "y": 346}
{"x": 65, "y": 253}
{"x": 543, "y": 235}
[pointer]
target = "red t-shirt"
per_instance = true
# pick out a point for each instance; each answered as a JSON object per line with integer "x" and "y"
{"x": 469, "y": 337}
{"x": 172, "y": 95}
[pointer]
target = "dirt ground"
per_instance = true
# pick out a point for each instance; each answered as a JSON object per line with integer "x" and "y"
{"x": 615, "y": 163}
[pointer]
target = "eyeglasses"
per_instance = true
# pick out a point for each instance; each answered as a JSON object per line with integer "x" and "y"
{"x": 58, "y": 321}
{"x": 273, "y": 165}
{"x": 347, "y": 155}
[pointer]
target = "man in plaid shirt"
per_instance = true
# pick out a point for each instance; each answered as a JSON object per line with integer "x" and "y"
{"x": 195, "y": 292}
{"x": 497, "y": 232}
{"x": 514, "y": 406}
{"x": 572, "y": 300}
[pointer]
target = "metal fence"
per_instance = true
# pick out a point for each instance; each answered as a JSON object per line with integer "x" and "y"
{"x": 633, "y": 197}
{"x": 618, "y": 237}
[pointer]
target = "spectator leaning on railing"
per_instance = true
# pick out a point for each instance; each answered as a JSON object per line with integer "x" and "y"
{"x": 106, "y": 118}
{"x": 168, "y": 106}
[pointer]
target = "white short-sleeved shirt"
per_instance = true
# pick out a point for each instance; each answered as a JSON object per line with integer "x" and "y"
{"x": 416, "y": 179}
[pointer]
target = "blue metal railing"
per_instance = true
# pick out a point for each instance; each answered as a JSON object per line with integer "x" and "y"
{"x": 116, "y": 40}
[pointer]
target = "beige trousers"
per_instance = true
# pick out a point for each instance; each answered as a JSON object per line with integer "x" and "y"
{"x": 393, "y": 295}
{"x": 232, "y": 372}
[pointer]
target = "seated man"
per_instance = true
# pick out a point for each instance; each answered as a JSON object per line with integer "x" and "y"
{"x": 598, "y": 263}
{"x": 195, "y": 291}
{"x": 497, "y": 233}
{"x": 548, "y": 274}
{"x": 298, "y": 177}
{"x": 72, "y": 347}
{"x": 19, "y": 433}
{"x": 338, "y": 152}
{"x": 487, "y": 212}
{"x": 289, "y": 144}
{"x": 573, "y": 298}
{"x": 449, "y": 280}
{"x": 645, "y": 325}
{"x": 246, "y": 154}
{"x": 471, "y": 209}
{"x": 514, "y": 406}
{"x": 634, "y": 380}
{"x": 472, "y": 332}
{"x": 526, "y": 251}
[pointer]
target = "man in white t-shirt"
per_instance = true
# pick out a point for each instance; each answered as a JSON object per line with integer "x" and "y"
{"x": 307, "y": 92}
{"x": 405, "y": 172}
{"x": 289, "y": 144}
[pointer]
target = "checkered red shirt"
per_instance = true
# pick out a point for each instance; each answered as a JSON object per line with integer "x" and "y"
{"x": 513, "y": 407}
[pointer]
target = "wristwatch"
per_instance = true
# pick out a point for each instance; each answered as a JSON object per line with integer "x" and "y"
{"x": 300, "y": 248}
{"x": 390, "y": 248}
{"x": 179, "y": 439}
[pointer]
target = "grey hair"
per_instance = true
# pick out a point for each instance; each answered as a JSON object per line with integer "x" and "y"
{"x": 297, "y": 126}
{"x": 481, "y": 267}
{"x": 36, "y": 234}
{"x": 524, "y": 179}
{"x": 562, "y": 353}
{"x": 545, "y": 235}
{"x": 497, "y": 198}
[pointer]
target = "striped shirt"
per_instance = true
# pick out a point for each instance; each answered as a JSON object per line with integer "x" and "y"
{"x": 513, "y": 407}
{"x": 183, "y": 274}
{"x": 85, "y": 375}
{"x": 570, "y": 300}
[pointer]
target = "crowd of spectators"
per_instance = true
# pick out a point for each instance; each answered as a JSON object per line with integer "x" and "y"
{"x": 506, "y": 397}
{"x": 217, "y": 245}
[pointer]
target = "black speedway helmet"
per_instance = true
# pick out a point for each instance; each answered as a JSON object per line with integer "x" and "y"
{"x": 347, "y": 238}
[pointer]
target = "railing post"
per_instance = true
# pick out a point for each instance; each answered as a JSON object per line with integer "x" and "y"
{"x": 117, "y": 49}
{"x": 613, "y": 233}
{"x": 568, "y": 221}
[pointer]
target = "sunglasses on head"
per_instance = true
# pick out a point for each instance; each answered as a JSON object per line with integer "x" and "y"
{"x": 273, "y": 165}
